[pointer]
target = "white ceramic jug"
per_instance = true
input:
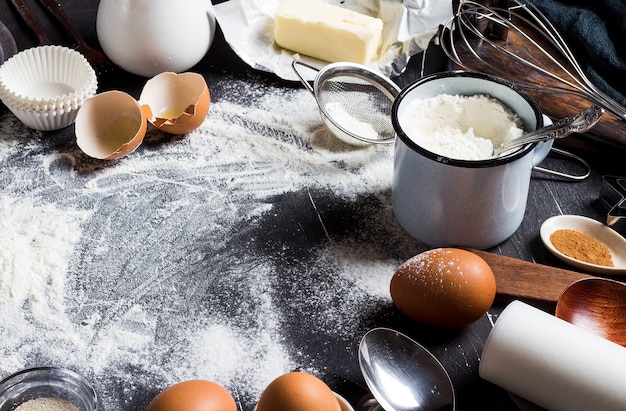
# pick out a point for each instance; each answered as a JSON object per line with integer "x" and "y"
{"x": 148, "y": 37}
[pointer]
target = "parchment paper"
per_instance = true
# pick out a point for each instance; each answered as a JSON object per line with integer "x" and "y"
{"x": 248, "y": 27}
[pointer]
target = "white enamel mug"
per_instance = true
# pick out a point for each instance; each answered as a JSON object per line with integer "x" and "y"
{"x": 442, "y": 201}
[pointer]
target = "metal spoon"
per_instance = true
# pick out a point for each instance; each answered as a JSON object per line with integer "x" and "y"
{"x": 598, "y": 305}
{"x": 403, "y": 375}
{"x": 579, "y": 123}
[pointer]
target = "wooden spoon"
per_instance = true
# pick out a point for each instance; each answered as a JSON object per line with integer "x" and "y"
{"x": 597, "y": 305}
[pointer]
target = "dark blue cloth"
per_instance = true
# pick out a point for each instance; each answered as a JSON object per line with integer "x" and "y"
{"x": 595, "y": 30}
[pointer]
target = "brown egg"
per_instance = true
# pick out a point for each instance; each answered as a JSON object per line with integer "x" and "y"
{"x": 193, "y": 395}
{"x": 110, "y": 125}
{"x": 444, "y": 287}
{"x": 176, "y": 103}
{"x": 298, "y": 391}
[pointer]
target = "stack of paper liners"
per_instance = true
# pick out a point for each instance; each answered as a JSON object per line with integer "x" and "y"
{"x": 327, "y": 32}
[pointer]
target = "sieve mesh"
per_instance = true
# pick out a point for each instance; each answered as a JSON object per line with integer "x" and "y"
{"x": 355, "y": 101}
{"x": 357, "y": 106}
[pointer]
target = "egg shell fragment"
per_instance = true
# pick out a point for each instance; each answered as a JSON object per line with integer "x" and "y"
{"x": 193, "y": 395}
{"x": 444, "y": 287}
{"x": 298, "y": 391}
{"x": 176, "y": 103}
{"x": 110, "y": 125}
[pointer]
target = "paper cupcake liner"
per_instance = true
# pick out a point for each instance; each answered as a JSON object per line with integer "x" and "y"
{"x": 46, "y": 76}
{"x": 50, "y": 121}
{"x": 45, "y": 86}
{"x": 50, "y": 107}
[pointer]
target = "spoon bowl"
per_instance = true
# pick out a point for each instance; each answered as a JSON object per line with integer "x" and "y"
{"x": 597, "y": 305}
{"x": 403, "y": 375}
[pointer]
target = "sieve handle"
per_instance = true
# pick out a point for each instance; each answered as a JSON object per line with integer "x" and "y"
{"x": 294, "y": 66}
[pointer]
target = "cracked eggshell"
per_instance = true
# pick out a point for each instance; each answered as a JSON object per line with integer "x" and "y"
{"x": 176, "y": 103}
{"x": 110, "y": 125}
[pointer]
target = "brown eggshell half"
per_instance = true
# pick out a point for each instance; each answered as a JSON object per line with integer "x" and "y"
{"x": 110, "y": 125}
{"x": 177, "y": 103}
{"x": 444, "y": 287}
{"x": 193, "y": 395}
{"x": 298, "y": 391}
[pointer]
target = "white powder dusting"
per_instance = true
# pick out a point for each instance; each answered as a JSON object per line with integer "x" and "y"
{"x": 36, "y": 243}
{"x": 341, "y": 117}
{"x": 144, "y": 272}
{"x": 47, "y": 404}
{"x": 460, "y": 127}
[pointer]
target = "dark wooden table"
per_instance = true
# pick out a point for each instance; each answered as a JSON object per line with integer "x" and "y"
{"x": 288, "y": 235}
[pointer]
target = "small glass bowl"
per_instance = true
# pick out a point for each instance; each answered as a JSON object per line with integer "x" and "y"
{"x": 47, "y": 382}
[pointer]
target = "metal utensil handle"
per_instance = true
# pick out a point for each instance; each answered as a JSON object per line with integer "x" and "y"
{"x": 31, "y": 20}
{"x": 561, "y": 128}
{"x": 55, "y": 9}
{"x": 294, "y": 66}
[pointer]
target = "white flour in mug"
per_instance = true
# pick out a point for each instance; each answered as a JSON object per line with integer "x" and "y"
{"x": 460, "y": 127}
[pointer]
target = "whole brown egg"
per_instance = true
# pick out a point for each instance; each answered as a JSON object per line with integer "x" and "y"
{"x": 298, "y": 391}
{"x": 444, "y": 287}
{"x": 193, "y": 395}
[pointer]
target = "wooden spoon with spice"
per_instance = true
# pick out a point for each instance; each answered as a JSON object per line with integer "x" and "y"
{"x": 597, "y": 305}
{"x": 585, "y": 243}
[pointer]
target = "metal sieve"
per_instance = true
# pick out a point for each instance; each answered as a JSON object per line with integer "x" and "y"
{"x": 355, "y": 102}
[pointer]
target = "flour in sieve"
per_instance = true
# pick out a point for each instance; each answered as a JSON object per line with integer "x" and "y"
{"x": 340, "y": 116}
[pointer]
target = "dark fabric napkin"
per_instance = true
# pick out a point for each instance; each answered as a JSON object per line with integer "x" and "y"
{"x": 595, "y": 30}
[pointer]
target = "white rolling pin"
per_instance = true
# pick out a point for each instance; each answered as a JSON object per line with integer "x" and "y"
{"x": 553, "y": 363}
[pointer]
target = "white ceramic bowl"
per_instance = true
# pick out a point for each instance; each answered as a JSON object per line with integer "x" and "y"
{"x": 595, "y": 229}
{"x": 45, "y": 86}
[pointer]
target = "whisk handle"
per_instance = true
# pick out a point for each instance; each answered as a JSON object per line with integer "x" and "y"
{"x": 579, "y": 123}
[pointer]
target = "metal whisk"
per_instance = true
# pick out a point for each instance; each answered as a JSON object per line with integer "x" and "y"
{"x": 494, "y": 38}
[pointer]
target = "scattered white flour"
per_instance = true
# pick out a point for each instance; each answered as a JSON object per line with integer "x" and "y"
{"x": 37, "y": 241}
{"x": 146, "y": 271}
{"x": 460, "y": 127}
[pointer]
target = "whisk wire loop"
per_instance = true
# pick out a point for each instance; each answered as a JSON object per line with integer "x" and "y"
{"x": 467, "y": 33}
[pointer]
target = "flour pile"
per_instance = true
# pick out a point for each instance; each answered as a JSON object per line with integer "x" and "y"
{"x": 212, "y": 255}
{"x": 460, "y": 127}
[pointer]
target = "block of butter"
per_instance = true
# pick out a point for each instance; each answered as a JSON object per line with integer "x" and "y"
{"x": 327, "y": 32}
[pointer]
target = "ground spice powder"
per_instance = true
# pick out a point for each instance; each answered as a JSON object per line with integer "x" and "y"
{"x": 581, "y": 247}
{"x": 47, "y": 404}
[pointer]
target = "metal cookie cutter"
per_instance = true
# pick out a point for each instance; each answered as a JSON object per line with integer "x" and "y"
{"x": 613, "y": 194}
